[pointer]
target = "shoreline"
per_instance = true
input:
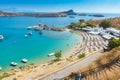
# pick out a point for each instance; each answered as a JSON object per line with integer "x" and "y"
{"x": 38, "y": 61}
{"x": 46, "y": 68}
{"x": 67, "y": 55}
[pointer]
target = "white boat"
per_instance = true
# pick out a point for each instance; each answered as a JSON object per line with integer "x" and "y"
{"x": 13, "y": 64}
{"x": 26, "y": 36}
{"x": 52, "y": 54}
{"x": 0, "y": 68}
{"x": 1, "y": 37}
{"x": 30, "y": 27}
{"x": 24, "y": 60}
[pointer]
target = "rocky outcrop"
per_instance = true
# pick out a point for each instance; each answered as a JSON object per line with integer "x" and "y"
{"x": 69, "y": 12}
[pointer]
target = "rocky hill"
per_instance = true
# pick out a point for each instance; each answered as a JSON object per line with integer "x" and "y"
{"x": 69, "y": 12}
{"x": 56, "y": 14}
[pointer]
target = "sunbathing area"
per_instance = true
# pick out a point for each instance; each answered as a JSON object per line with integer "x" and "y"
{"x": 91, "y": 43}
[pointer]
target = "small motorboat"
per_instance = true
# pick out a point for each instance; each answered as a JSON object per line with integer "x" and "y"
{"x": 1, "y": 37}
{"x": 24, "y": 60}
{"x": 30, "y": 27}
{"x": 0, "y": 68}
{"x": 26, "y": 36}
{"x": 13, "y": 64}
{"x": 52, "y": 54}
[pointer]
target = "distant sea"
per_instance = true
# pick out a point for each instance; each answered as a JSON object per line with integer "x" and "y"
{"x": 35, "y": 48}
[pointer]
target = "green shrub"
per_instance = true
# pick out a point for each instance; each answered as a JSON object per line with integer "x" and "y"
{"x": 58, "y": 55}
{"x": 81, "y": 55}
{"x": 90, "y": 24}
{"x": 114, "y": 43}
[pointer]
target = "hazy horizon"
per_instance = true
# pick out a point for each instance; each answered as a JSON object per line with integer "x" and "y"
{"x": 94, "y": 6}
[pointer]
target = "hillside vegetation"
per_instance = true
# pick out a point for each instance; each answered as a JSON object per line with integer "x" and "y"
{"x": 114, "y": 21}
{"x": 105, "y": 23}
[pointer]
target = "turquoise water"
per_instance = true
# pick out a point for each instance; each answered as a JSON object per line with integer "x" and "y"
{"x": 36, "y": 47}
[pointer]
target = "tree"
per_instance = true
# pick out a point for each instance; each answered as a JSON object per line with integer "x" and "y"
{"x": 90, "y": 24}
{"x": 105, "y": 24}
{"x": 73, "y": 25}
{"x": 58, "y": 55}
{"x": 81, "y": 55}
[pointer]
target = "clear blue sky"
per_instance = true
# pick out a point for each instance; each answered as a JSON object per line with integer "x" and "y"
{"x": 106, "y": 6}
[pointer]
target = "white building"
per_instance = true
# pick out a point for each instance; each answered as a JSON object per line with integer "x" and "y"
{"x": 107, "y": 34}
{"x": 96, "y": 30}
{"x": 113, "y": 31}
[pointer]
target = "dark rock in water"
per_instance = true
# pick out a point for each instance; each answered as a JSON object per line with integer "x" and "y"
{"x": 82, "y": 14}
{"x": 69, "y": 12}
{"x": 30, "y": 33}
{"x": 40, "y": 32}
{"x": 97, "y": 15}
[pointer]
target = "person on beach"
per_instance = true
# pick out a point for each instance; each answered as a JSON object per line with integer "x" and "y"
{"x": 78, "y": 76}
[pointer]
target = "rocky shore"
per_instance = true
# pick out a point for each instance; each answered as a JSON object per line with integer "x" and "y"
{"x": 41, "y": 27}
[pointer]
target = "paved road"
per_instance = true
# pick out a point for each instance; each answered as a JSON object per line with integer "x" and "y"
{"x": 63, "y": 72}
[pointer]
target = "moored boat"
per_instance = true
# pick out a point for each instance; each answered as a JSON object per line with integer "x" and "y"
{"x": 24, "y": 60}
{"x": 13, "y": 64}
{"x": 26, "y": 36}
{"x": 52, "y": 54}
{"x": 30, "y": 27}
{"x": 1, "y": 37}
{"x": 0, "y": 68}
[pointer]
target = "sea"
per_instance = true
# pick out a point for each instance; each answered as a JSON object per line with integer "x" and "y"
{"x": 36, "y": 47}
